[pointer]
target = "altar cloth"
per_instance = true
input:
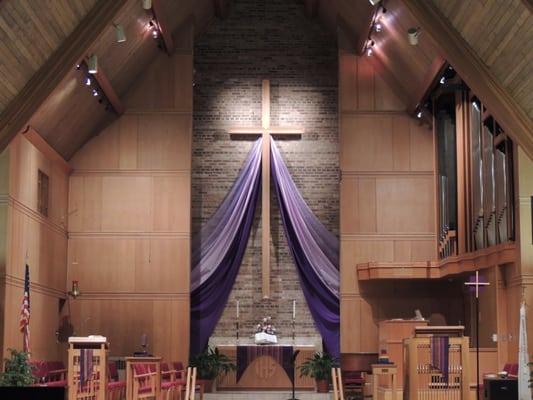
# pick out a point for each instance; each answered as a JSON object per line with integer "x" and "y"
{"x": 281, "y": 354}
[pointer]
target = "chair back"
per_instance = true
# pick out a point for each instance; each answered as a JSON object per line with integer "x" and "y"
{"x": 112, "y": 371}
{"x": 178, "y": 366}
{"x": 338, "y": 390}
{"x": 190, "y": 386}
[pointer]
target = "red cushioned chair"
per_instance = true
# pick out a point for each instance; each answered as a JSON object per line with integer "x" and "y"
{"x": 116, "y": 389}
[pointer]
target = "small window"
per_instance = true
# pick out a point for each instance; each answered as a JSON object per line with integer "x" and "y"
{"x": 42, "y": 193}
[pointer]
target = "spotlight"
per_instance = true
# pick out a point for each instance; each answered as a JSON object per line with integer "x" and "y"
{"x": 119, "y": 33}
{"x": 369, "y": 51}
{"x": 412, "y": 36}
{"x": 374, "y": 2}
{"x": 88, "y": 81}
{"x": 378, "y": 27}
{"x": 93, "y": 64}
{"x": 442, "y": 80}
{"x": 78, "y": 67}
{"x": 147, "y": 4}
{"x": 475, "y": 105}
{"x": 95, "y": 92}
{"x": 155, "y": 34}
{"x": 419, "y": 114}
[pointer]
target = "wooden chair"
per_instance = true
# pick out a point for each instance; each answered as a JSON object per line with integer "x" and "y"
{"x": 190, "y": 386}
{"x": 336, "y": 377}
{"x": 143, "y": 378}
{"x": 116, "y": 389}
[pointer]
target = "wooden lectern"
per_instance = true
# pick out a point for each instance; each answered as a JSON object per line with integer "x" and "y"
{"x": 424, "y": 380}
{"x": 87, "y": 361}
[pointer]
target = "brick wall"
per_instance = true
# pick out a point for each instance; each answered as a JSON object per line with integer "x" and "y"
{"x": 266, "y": 40}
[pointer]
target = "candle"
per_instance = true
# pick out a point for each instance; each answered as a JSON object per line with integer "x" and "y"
{"x": 144, "y": 340}
{"x": 238, "y": 309}
{"x": 294, "y": 309}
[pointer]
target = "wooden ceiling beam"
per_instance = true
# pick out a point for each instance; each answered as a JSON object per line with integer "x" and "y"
{"x": 42, "y": 145}
{"x": 107, "y": 88}
{"x": 164, "y": 28}
{"x": 55, "y": 69}
{"x": 475, "y": 73}
{"x": 311, "y": 8}
{"x": 421, "y": 92}
{"x": 221, "y": 8}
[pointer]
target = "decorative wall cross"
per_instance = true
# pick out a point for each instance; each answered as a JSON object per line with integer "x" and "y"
{"x": 477, "y": 283}
{"x": 266, "y": 131}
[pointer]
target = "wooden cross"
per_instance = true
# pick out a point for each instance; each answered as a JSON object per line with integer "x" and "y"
{"x": 477, "y": 283}
{"x": 265, "y": 131}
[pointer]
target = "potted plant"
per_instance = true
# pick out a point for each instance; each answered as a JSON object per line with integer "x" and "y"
{"x": 319, "y": 367}
{"x": 209, "y": 365}
{"x": 18, "y": 371}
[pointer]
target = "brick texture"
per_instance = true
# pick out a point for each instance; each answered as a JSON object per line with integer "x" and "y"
{"x": 266, "y": 39}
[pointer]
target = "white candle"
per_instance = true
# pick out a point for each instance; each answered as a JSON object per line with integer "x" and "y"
{"x": 238, "y": 310}
{"x": 294, "y": 309}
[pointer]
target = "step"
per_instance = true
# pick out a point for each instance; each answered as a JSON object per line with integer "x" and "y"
{"x": 266, "y": 395}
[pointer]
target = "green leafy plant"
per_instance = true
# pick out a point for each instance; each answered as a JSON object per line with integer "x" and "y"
{"x": 211, "y": 363}
{"x": 18, "y": 371}
{"x": 319, "y": 366}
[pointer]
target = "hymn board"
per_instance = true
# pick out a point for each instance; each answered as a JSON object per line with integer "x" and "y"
{"x": 265, "y": 131}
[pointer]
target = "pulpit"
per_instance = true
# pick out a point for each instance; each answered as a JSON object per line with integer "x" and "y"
{"x": 87, "y": 368}
{"x": 437, "y": 359}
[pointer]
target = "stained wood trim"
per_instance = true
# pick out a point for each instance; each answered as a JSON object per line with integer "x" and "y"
{"x": 420, "y": 93}
{"x": 407, "y": 174}
{"x": 107, "y": 88}
{"x": 34, "y": 286}
{"x": 42, "y": 145}
{"x": 481, "y": 259}
{"x": 129, "y": 235}
{"x": 36, "y": 216}
{"x": 475, "y": 73}
{"x": 387, "y": 236}
{"x": 53, "y": 71}
{"x": 93, "y": 295}
{"x": 132, "y": 172}
{"x": 163, "y": 26}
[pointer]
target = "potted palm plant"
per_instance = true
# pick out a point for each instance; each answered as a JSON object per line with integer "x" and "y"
{"x": 209, "y": 365}
{"x": 319, "y": 367}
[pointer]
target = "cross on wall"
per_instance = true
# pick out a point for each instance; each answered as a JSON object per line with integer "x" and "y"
{"x": 266, "y": 131}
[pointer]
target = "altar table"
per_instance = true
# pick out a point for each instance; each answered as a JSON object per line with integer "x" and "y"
{"x": 265, "y": 372}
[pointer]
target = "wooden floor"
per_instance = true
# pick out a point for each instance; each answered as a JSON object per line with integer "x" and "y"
{"x": 267, "y": 396}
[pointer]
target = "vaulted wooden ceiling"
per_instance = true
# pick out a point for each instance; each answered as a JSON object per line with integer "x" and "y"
{"x": 41, "y": 41}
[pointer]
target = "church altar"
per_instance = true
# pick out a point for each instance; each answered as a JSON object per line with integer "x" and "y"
{"x": 265, "y": 370}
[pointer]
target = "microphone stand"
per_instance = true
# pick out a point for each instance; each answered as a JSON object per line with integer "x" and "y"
{"x": 293, "y": 363}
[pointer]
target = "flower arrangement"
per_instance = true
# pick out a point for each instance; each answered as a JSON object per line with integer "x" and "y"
{"x": 266, "y": 326}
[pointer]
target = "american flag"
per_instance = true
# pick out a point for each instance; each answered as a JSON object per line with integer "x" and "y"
{"x": 24, "y": 324}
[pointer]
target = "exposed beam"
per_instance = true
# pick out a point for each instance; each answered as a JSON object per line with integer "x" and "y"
{"x": 475, "y": 73}
{"x": 311, "y": 8}
{"x": 44, "y": 81}
{"x": 221, "y": 8}
{"x": 107, "y": 88}
{"x": 42, "y": 145}
{"x": 166, "y": 33}
{"x": 358, "y": 31}
{"x": 420, "y": 93}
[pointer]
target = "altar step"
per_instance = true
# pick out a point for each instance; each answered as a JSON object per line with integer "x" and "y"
{"x": 267, "y": 395}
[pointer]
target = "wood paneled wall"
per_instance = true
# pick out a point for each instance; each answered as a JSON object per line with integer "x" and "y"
{"x": 129, "y": 225}
{"x": 387, "y": 199}
{"x": 40, "y": 241}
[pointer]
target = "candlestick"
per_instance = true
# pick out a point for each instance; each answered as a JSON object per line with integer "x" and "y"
{"x": 294, "y": 309}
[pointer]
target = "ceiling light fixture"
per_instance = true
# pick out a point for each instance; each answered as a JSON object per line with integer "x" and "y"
{"x": 412, "y": 36}
{"x": 147, "y": 4}
{"x": 119, "y": 33}
{"x": 378, "y": 27}
{"x": 419, "y": 114}
{"x": 442, "y": 80}
{"x": 92, "y": 64}
{"x": 88, "y": 81}
{"x": 374, "y": 2}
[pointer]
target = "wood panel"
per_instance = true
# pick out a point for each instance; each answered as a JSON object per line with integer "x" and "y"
{"x": 35, "y": 239}
{"x": 129, "y": 224}
{"x": 387, "y": 200}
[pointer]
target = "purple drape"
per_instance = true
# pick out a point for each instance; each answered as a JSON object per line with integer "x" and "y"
{"x": 315, "y": 251}
{"x": 218, "y": 250}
